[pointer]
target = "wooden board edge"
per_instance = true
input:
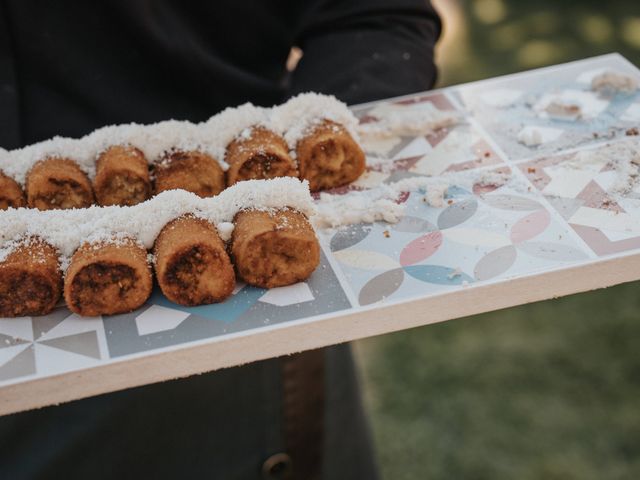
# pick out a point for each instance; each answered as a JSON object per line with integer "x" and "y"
{"x": 308, "y": 335}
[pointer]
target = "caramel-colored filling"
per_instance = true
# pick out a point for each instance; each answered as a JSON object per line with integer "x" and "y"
{"x": 196, "y": 276}
{"x": 23, "y": 293}
{"x": 62, "y": 194}
{"x": 263, "y": 166}
{"x": 104, "y": 287}
{"x": 124, "y": 188}
{"x": 273, "y": 260}
{"x": 330, "y": 165}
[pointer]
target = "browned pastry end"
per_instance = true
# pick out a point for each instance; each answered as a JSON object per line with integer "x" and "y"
{"x": 107, "y": 278}
{"x": 274, "y": 249}
{"x": 122, "y": 176}
{"x": 329, "y": 157}
{"x": 193, "y": 171}
{"x": 192, "y": 264}
{"x": 30, "y": 280}
{"x": 261, "y": 154}
{"x": 11, "y": 195}
{"x": 58, "y": 183}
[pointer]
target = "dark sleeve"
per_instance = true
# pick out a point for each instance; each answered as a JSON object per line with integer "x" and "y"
{"x": 363, "y": 50}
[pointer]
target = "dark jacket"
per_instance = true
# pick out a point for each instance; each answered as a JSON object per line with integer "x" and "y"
{"x": 68, "y": 67}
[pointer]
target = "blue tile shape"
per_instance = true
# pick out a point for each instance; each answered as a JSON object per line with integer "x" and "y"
{"x": 226, "y": 311}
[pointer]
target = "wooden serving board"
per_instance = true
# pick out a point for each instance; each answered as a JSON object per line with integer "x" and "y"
{"x": 553, "y": 229}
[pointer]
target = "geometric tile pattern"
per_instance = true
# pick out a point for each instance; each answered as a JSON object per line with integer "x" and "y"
{"x": 480, "y": 234}
{"x": 58, "y": 341}
{"x": 609, "y": 222}
{"x": 507, "y": 105}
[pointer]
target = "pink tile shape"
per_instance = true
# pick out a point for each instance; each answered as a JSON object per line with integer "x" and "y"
{"x": 601, "y": 245}
{"x": 421, "y": 248}
{"x": 530, "y": 226}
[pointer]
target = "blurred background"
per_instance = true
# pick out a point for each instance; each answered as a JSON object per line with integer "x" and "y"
{"x": 544, "y": 391}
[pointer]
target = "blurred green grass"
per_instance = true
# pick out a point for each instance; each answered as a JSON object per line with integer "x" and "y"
{"x": 543, "y": 391}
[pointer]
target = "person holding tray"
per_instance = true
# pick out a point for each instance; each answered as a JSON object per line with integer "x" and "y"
{"x": 69, "y": 67}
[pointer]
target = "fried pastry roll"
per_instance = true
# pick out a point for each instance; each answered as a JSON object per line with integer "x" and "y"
{"x": 193, "y": 171}
{"x": 107, "y": 278}
{"x": 122, "y": 176}
{"x": 11, "y": 195}
{"x": 58, "y": 183}
{"x": 30, "y": 280}
{"x": 274, "y": 249}
{"x": 258, "y": 153}
{"x": 192, "y": 265}
{"x": 329, "y": 157}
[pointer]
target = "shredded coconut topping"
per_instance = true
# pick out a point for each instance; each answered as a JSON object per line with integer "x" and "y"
{"x": 381, "y": 203}
{"x": 531, "y": 137}
{"x": 376, "y": 204}
{"x": 614, "y": 82}
{"x": 68, "y": 229}
{"x": 622, "y": 157}
{"x": 407, "y": 120}
{"x": 292, "y": 120}
{"x": 296, "y": 117}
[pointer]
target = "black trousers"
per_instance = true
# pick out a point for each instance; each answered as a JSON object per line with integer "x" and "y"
{"x": 231, "y": 424}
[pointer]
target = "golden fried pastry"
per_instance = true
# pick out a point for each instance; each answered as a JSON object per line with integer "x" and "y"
{"x": 58, "y": 183}
{"x": 273, "y": 249}
{"x": 192, "y": 265}
{"x": 11, "y": 195}
{"x": 260, "y": 154}
{"x": 30, "y": 280}
{"x": 107, "y": 278}
{"x": 193, "y": 171}
{"x": 122, "y": 176}
{"x": 329, "y": 157}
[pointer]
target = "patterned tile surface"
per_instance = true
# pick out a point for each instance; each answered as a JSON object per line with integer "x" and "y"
{"x": 587, "y": 198}
{"x": 505, "y": 106}
{"x": 479, "y": 234}
{"x": 553, "y": 211}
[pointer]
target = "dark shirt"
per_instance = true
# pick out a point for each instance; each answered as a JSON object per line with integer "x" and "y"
{"x": 68, "y": 67}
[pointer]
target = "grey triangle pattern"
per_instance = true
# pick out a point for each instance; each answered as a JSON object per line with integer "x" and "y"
{"x": 566, "y": 206}
{"x": 9, "y": 341}
{"x": 22, "y": 364}
{"x": 42, "y": 325}
{"x": 85, "y": 343}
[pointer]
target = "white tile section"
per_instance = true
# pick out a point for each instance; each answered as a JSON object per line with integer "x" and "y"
{"x": 631, "y": 114}
{"x": 607, "y": 220}
{"x": 568, "y": 182}
{"x": 51, "y": 360}
{"x": 158, "y": 319}
{"x": 290, "y": 295}
{"x": 501, "y": 97}
{"x": 17, "y": 327}
{"x": 419, "y": 146}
